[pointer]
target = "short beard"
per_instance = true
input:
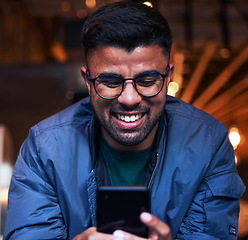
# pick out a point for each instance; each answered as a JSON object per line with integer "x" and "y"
{"x": 129, "y": 137}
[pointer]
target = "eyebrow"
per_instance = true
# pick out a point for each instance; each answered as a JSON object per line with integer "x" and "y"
{"x": 121, "y": 76}
{"x": 110, "y": 73}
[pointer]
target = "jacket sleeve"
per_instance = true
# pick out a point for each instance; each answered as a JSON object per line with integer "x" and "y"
{"x": 33, "y": 208}
{"x": 214, "y": 211}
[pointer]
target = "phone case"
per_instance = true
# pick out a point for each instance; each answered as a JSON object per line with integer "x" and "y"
{"x": 120, "y": 208}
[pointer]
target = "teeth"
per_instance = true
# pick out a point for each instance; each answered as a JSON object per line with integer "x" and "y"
{"x": 127, "y": 119}
{"x": 131, "y": 118}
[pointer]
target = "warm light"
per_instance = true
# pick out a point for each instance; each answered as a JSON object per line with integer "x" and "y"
{"x": 173, "y": 88}
{"x": 149, "y": 4}
{"x": 243, "y": 218}
{"x": 59, "y": 52}
{"x": 234, "y": 137}
{"x": 178, "y": 60}
{"x": 4, "y": 195}
{"x": 90, "y": 3}
{"x": 81, "y": 13}
{"x": 225, "y": 53}
{"x": 5, "y": 174}
{"x": 65, "y": 6}
{"x": 236, "y": 159}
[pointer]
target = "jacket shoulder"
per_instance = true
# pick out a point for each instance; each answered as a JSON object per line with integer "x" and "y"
{"x": 177, "y": 107}
{"x": 79, "y": 113}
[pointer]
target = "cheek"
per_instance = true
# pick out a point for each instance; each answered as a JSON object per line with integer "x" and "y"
{"x": 160, "y": 99}
{"x": 158, "y": 103}
{"x": 100, "y": 105}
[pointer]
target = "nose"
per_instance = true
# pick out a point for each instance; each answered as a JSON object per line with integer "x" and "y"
{"x": 129, "y": 95}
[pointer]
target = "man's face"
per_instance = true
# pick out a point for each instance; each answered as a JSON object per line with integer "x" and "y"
{"x": 130, "y": 121}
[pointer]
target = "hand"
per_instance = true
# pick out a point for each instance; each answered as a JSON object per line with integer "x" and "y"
{"x": 92, "y": 234}
{"x": 158, "y": 230}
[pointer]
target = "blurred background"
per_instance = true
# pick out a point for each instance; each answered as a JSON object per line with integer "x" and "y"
{"x": 40, "y": 60}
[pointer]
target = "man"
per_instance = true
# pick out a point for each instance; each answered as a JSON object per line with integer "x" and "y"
{"x": 127, "y": 133}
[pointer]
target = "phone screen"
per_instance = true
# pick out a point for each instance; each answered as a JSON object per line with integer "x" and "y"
{"x": 120, "y": 208}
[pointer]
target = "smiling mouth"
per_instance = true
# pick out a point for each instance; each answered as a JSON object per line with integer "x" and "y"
{"x": 129, "y": 118}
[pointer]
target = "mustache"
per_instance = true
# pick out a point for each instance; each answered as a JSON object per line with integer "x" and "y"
{"x": 125, "y": 108}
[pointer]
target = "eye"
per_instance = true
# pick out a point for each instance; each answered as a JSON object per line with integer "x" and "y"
{"x": 147, "y": 79}
{"x": 109, "y": 81}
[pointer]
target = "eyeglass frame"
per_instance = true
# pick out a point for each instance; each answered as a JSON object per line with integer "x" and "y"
{"x": 125, "y": 79}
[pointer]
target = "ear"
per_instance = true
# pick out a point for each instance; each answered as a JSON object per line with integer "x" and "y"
{"x": 169, "y": 78}
{"x": 84, "y": 75}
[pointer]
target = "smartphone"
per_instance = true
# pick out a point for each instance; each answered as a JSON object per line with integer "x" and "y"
{"x": 120, "y": 208}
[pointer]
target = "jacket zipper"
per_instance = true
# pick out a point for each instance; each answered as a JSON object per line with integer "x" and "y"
{"x": 155, "y": 168}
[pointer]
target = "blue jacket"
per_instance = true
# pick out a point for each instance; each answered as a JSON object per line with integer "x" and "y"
{"x": 194, "y": 184}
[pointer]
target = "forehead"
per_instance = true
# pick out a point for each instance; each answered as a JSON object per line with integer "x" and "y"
{"x": 112, "y": 59}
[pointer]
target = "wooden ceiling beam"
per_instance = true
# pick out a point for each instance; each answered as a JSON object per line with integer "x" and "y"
{"x": 226, "y": 97}
{"x": 242, "y": 124}
{"x": 199, "y": 71}
{"x": 222, "y": 78}
{"x": 238, "y": 103}
{"x": 178, "y": 61}
{"x": 241, "y": 115}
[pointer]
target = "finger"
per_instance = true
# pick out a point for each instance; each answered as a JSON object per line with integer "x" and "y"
{"x": 121, "y": 235}
{"x": 92, "y": 234}
{"x": 85, "y": 234}
{"x": 155, "y": 225}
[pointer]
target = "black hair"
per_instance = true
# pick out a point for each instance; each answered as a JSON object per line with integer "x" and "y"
{"x": 126, "y": 25}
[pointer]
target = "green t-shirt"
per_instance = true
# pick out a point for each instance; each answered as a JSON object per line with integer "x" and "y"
{"x": 125, "y": 168}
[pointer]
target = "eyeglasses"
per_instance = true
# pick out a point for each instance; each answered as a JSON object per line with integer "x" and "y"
{"x": 110, "y": 86}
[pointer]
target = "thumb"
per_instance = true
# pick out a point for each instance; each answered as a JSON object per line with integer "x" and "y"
{"x": 155, "y": 225}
